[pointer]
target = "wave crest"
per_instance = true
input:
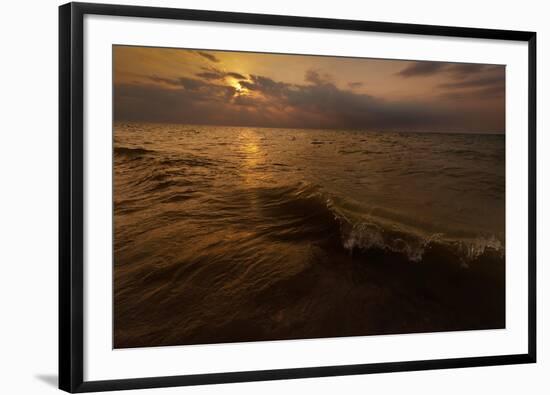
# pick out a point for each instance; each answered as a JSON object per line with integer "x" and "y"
{"x": 362, "y": 235}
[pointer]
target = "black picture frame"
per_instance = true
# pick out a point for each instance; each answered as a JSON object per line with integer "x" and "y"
{"x": 71, "y": 172}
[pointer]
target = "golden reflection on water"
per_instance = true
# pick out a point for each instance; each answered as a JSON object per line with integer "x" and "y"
{"x": 252, "y": 160}
{"x": 251, "y": 154}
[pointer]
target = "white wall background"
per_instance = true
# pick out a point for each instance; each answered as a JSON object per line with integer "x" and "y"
{"x": 28, "y": 195}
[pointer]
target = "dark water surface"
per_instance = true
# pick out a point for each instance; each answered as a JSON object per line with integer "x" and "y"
{"x": 227, "y": 234}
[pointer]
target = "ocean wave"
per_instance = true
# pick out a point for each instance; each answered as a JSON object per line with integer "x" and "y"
{"x": 365, "y": 236}
{"x": 316, "y": 210}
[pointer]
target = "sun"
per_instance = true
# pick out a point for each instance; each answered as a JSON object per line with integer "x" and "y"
{"x": 239, "y": 90}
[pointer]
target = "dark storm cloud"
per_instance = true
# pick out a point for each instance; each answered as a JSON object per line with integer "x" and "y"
{"x": 246, "y": 101}
{"x": 208, "y": 56}
{"x": 266, "y": 86}
{"x": 212, "y": 104}
{"x": 338, "y": 108}
{"x": 317, "y": 103}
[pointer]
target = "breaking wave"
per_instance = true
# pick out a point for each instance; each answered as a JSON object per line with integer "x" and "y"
{"x": 361, "y": 233}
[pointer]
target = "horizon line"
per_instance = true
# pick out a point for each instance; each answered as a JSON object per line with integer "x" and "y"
{"x": 311, "y": 128}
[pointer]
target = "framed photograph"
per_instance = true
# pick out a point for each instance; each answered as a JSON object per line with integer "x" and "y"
{"x": 253, "y": 197}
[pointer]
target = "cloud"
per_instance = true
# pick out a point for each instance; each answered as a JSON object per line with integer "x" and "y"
{"x": 209, "y": 75}
{"x": 167, "y": 81}
{"x": 465, "y": 81}
{"x": 212, "y": 104}
{"x": 318, "y": 103}
{"x": 455, "y": 70}
{"x": 422, "y": 69}
{"x": 478, "y": 82}
{"x": 199, "y": 89}
{"x": 208, "y": 56}
{"x": 487, "y": 80}
{"x": 314, "y": 77}
{"x": 216, "y": 74}
{"x": 266, "y": 86}
{"x": 237, "y": 76}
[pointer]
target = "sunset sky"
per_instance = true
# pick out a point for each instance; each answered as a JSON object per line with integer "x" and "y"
{"x": 254, "y": 89}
